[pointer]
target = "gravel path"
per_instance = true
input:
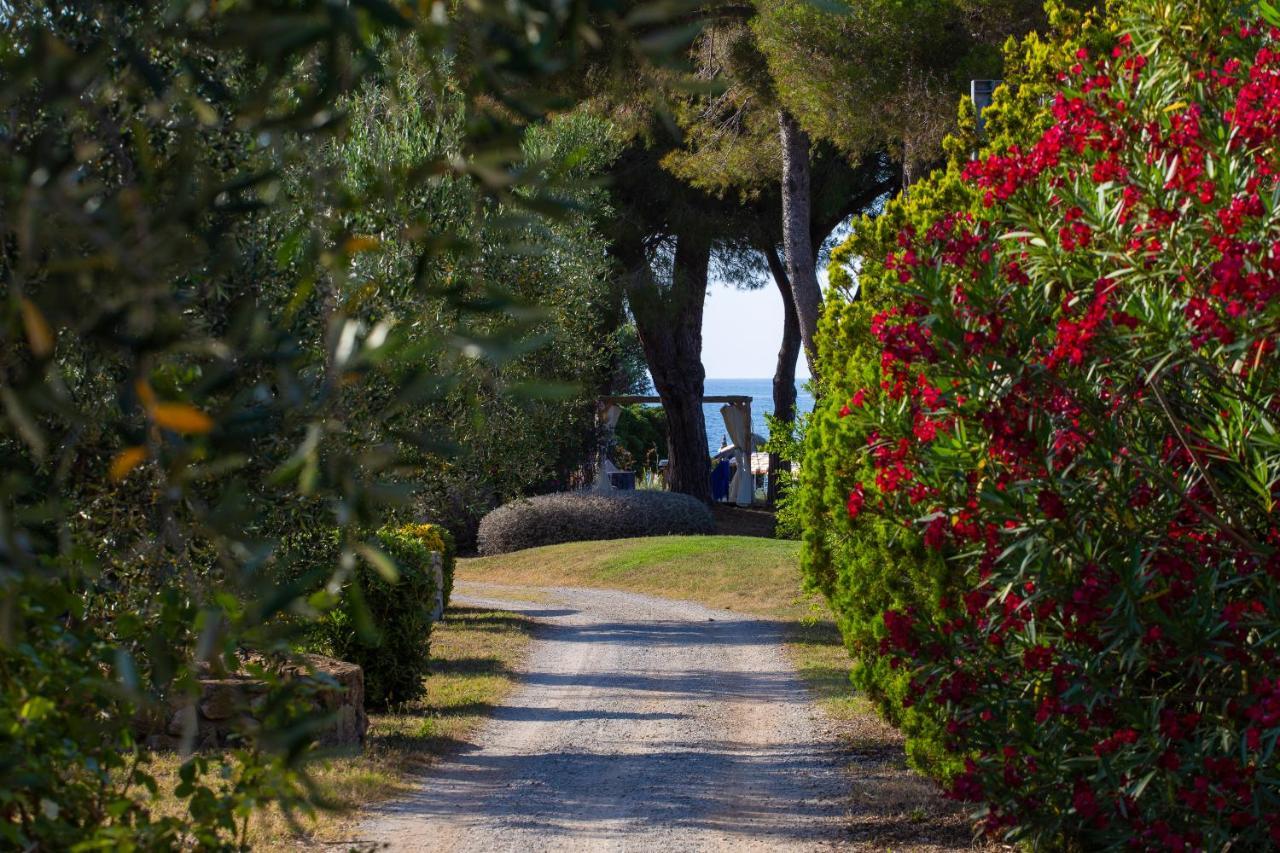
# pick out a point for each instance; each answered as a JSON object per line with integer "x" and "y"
{"x": 640, "y": 724}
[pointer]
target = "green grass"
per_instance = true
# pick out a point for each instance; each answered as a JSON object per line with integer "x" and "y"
{"x": 748, "y": 574}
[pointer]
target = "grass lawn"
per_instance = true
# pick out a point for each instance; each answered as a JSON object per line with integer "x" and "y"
{"x": 474, "y": 653}
{"x": 747, "y": 574}
{"x": 892, "y": 807}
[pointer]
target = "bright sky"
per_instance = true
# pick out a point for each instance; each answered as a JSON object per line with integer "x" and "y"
{"x": 741, "y": 332}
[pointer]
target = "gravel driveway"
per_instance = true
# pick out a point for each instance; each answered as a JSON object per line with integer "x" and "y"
{"x": 640, "y": 724}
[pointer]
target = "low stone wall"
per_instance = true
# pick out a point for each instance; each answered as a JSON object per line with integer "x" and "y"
{"x": 228, "y": 707}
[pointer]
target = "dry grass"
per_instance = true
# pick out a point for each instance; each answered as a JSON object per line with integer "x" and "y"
{"x": 474, "y": 655}
{"x": 892, "y": 808}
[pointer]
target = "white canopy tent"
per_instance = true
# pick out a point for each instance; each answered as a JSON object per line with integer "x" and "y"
{"x": 609, "y": 414}
{"x": 738, "y": 409}
{"x": 737, "y": 420}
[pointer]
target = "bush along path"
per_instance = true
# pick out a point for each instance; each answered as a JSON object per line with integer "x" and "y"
{"x": 641, "y": 722}
{"x": 475, "y": 655}
{"x": 1067, "y": 436}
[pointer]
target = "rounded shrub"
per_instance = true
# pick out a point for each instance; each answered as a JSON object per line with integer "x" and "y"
{"x": 587, "y": 516}
{"x": 1072, "y": 417}
{"x": 384, "y": 624}
{"x": 862, "y": 563}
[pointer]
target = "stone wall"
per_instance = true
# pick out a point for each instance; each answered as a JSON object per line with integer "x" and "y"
{"x": 227, "y": 707}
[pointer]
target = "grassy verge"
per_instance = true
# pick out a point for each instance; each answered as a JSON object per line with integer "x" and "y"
{"x": 891, "y": 808}
{"x": 474, "y": 654}
{"x": 751, "y": 575}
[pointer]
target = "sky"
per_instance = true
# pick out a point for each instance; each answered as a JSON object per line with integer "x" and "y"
{"x": 741, "y": 333}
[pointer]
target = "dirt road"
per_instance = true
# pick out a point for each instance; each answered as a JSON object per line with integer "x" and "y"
{"x": 640, "y": 724}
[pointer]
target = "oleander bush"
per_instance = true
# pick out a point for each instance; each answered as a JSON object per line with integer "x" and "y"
{"x": 383, "y": 620}
{"x": 865, "y": 565}
{"x": 1073, "y": 412}
{"x": 437, "y": 538}
{"x": 587, "y": 516}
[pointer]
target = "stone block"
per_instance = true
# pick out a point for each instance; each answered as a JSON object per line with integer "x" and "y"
{"x": 228, "y": 708}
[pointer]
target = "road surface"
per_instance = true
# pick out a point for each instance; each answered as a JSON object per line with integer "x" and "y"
{"x": 640, "y": 724}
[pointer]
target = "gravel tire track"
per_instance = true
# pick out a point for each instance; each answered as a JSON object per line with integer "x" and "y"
{"x": 640, "y": 724}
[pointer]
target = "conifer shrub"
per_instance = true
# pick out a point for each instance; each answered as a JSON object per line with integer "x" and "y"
{"x": 1071, "y": 419}
{"x": 588, "y": 516}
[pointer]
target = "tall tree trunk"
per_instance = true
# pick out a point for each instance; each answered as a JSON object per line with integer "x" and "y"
{"x": 669, "y": 320}
{"x": 797, "y": 244}
{"x": 784, "y": 375}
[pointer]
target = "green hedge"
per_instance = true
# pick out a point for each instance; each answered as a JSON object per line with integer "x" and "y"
{"x": 864, "y": 567}
{"x": 438, "y": 539}
{"x": 591, "y": 517}
{"x": 384, "y": 625}
{"x": 868, "y": 565}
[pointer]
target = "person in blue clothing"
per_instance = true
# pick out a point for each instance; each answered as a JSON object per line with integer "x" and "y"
{"x": 721, "y": 473}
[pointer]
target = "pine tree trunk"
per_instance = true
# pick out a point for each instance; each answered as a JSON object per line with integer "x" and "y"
{"x": 784, "y": 375}
{"x": 797, "y": 244}
{"x": 669, "y": 320}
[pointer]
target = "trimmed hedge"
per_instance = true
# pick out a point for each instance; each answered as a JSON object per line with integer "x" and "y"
{"x": 440, "y": 540}
{"x": 385, "y": 626}
{"x": 865, "y": 564}
{"x": 586, "y": 516}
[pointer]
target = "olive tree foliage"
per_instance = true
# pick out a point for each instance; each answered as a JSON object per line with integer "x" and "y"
{"x": 508, "y": 430}
{"x": 216, "y": 336}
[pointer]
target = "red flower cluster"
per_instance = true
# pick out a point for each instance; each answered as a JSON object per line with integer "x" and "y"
{"x": 1082, "y": 390}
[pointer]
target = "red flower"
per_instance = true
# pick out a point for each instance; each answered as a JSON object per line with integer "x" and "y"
{"x": 1051, "y": 505}
{"x": 899, "y": 626}
{"x": 1037, "y": 658}
{"x": 857, "y": 500}
{"x": 935, "y": 534}
{"x": 1123, "y": 737}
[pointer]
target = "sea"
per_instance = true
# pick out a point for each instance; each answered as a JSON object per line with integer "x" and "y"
{"x": 761, "y": 393}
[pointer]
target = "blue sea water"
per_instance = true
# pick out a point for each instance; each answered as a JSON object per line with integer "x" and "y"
{"x": 761, "y": 392}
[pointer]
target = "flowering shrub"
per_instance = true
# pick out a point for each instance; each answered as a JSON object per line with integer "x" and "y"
{"x": 1076, "y": 407}
{"x": 869, "y": 563}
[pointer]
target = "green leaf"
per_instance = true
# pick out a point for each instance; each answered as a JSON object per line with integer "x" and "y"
{"x": 35, "y": 709}
{"x": 381, "y": 563}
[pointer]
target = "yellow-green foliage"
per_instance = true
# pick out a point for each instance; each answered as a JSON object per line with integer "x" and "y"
{"x": 436, "y": 538}
{"x": 867, "y": 566}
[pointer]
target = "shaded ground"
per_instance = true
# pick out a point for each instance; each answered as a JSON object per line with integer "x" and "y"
{"x": 641, "y": 723}
{"x": 889, "y": 807}
{"x": 475, "y": 655}
{"x": 743, "y": 521}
